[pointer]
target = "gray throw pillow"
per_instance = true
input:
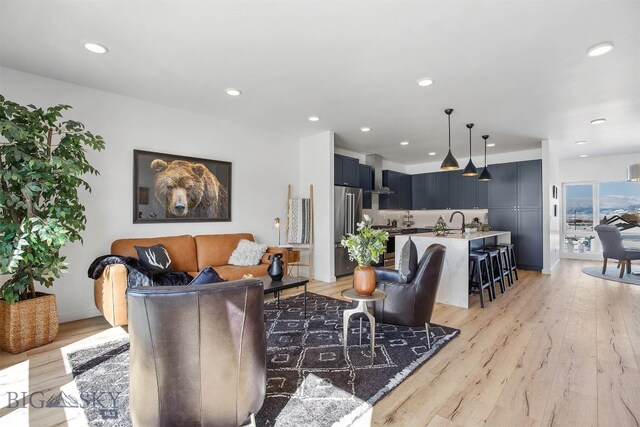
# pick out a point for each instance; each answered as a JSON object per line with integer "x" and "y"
{"x": 408, "y": 261}
{"x": 247, "y": 253}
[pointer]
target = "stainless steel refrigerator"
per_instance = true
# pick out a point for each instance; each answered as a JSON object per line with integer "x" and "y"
{"x": 348, "y": 213}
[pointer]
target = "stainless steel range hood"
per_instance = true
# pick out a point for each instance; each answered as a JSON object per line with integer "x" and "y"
{"x": 375, "y": 161}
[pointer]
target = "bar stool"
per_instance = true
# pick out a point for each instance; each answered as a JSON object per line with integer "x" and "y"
{"x": 504, "y": 263}
{"x": 477, "y": 276}
{"x": 513, "y": 265}
{"x": 493, "y": 257}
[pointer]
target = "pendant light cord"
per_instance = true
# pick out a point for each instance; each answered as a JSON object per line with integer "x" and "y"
{"x": 449, "y": 117}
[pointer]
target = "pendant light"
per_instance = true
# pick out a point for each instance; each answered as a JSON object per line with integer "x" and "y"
{"x": 449, "y": 162}
{"x": 470, "y": 169}
{"x": 485, "y": 175}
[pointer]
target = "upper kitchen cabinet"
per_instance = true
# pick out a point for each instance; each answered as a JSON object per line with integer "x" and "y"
{"x": 454, "y": 186}
{"x": 473, "y": 193}
{"x": 419, "y": 191}
{"x": 503, "y": 188}
{"x": 530, "y": 184}
{"x": 345, "y": 171}
{"x": 365, "y": 175}
{"x": 400, "y": 184}
{"x": 442, "y": 190}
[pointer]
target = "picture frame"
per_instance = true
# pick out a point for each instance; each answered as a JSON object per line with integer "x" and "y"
{"x": 180, "y": 188}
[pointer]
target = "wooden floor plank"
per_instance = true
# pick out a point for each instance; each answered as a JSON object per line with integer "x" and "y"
{"x": 554, "y": 350}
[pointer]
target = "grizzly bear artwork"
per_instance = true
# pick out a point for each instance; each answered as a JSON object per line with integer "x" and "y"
{"x": 189, "y": 190}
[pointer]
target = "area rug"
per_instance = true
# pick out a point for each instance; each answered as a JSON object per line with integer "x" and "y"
{"x": 310, "y": 382}
{"x": 612, "y": 274}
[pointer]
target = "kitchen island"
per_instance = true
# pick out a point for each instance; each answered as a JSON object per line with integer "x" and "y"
{"x": 454, "y": 282}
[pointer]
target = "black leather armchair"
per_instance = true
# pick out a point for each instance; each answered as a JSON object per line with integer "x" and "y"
{"x": 198, "y": 354}
{"x": 612, "y": 247}
{"x": 411, "y": 304}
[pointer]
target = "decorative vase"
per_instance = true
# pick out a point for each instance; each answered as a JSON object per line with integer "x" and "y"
{"x": 29, "y": 323}
{"x": 441, "y": 228}
{"x": 364, "y": 280}
{"x": 276, "y": 268}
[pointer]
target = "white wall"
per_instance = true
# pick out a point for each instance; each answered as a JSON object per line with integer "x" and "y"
{"x": 263, "y": 163}
{"x": 550, "y": 223}
{"x": 514, "y": 156}
{"x": 606, "y": 168}
{"x": 316, "y": 167}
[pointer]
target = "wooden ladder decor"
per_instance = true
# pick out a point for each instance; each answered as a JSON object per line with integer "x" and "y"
{"x": 297, "y": 250}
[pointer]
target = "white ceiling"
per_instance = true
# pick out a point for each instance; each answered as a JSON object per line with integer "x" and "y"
{"x": 517, "y": 69}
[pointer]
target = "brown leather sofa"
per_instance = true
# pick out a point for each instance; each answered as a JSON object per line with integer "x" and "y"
{"x": 198, "y": 354}
{"x": 188, "y": 254}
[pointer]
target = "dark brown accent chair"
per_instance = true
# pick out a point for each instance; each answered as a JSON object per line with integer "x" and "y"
{"x": 198, "y": 354}
{"x": 612, "y": 247}
{"x": 411, "y": 304}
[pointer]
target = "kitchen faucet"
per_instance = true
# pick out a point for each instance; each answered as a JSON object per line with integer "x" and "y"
{"x": 463, "y": 220}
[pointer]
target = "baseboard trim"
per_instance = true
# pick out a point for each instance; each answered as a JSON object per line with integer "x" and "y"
{"x": 324, "y": 278}
{"x": 549, "y": 270}
{"x": 78, "y": 315}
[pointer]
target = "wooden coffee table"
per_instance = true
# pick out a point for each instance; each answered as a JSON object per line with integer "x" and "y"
{"x": 287, "y": 282}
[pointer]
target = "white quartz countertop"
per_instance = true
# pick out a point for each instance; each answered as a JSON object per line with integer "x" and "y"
{"x": 456, "y": 235}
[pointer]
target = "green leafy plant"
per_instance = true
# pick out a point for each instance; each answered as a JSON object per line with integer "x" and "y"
{"x": 368, "y": 245}
{"x": 42, "y": 161}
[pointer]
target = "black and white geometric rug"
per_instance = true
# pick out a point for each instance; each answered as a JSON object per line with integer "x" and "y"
{"x": 310, "y": 382}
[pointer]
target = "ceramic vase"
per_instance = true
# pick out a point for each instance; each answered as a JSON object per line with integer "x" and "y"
{"x": 276, "y": 268}
{"x": 364, "y": 280}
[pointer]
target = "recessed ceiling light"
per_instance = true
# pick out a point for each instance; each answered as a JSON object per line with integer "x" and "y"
{"x": 425, "y": 82}
{"x": 598, "y": 121}
{"x": 433, "y": 153}
{"x": 600, "y": 49}
{"x": 314, "y": 118}
{"x": 365, "y": 129}
{"x": 233, "y": 92}
{"x": 584, "y": 155}
{"x": 491, "y": 144}
{"x": 581, "y": 142}
{"x": 96, "y": 48}
{"x": 404, "y": 143}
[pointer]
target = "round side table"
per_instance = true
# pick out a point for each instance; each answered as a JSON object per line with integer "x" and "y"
{"x": 352, "y": 295}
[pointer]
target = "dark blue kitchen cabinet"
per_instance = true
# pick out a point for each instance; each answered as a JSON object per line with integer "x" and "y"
{"x": 482, "y": 194}
{"x": 442, "y": 190}
{"x": 515, "y": 205}
{"x": 454, "y": 186}
{"x": 530, "y": 184}
{"x": 529, "y": 239}
{"x": 345, "y": 171}
{"x": 400, "y": 184}
{"x": 365, "y": 175}
{"x": 473, "y": 193}
{"x": 419, "y": 191}
{"x": 432, "y": 190}
{"x": 503, "y": 188}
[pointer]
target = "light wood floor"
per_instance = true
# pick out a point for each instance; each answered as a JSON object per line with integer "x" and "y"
{"x": 558, "y": 350}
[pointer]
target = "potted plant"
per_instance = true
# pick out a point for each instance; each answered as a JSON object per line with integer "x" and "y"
{"x": 42, "y": 162}
{"x": 365, "y": 248}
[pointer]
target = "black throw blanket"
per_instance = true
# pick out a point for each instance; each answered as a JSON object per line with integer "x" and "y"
{"x": 139, "y": 274}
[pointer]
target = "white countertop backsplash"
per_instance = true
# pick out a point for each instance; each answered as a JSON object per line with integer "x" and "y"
{"x": 426, "y": 218}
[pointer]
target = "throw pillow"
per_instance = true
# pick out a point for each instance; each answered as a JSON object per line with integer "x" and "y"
{"x": 207, "y": 275}
{"x": 155, "y": 258}
{"x": 408, "y": 261}
{"x": 247, "y": 253}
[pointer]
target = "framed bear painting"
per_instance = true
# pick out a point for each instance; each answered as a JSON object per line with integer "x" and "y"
{"x": 171, "y": 188}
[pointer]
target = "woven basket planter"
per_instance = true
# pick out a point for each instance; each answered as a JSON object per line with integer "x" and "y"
{"x": 28, "y": 324}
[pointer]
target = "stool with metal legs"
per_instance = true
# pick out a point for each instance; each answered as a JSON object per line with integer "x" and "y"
{"x": 361, "y": 308}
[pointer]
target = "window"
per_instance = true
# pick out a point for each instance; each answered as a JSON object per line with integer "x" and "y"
{"x": 589, "y": 204}
{"x": 578, "y": 207}
{"x": 621, "y": 199}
